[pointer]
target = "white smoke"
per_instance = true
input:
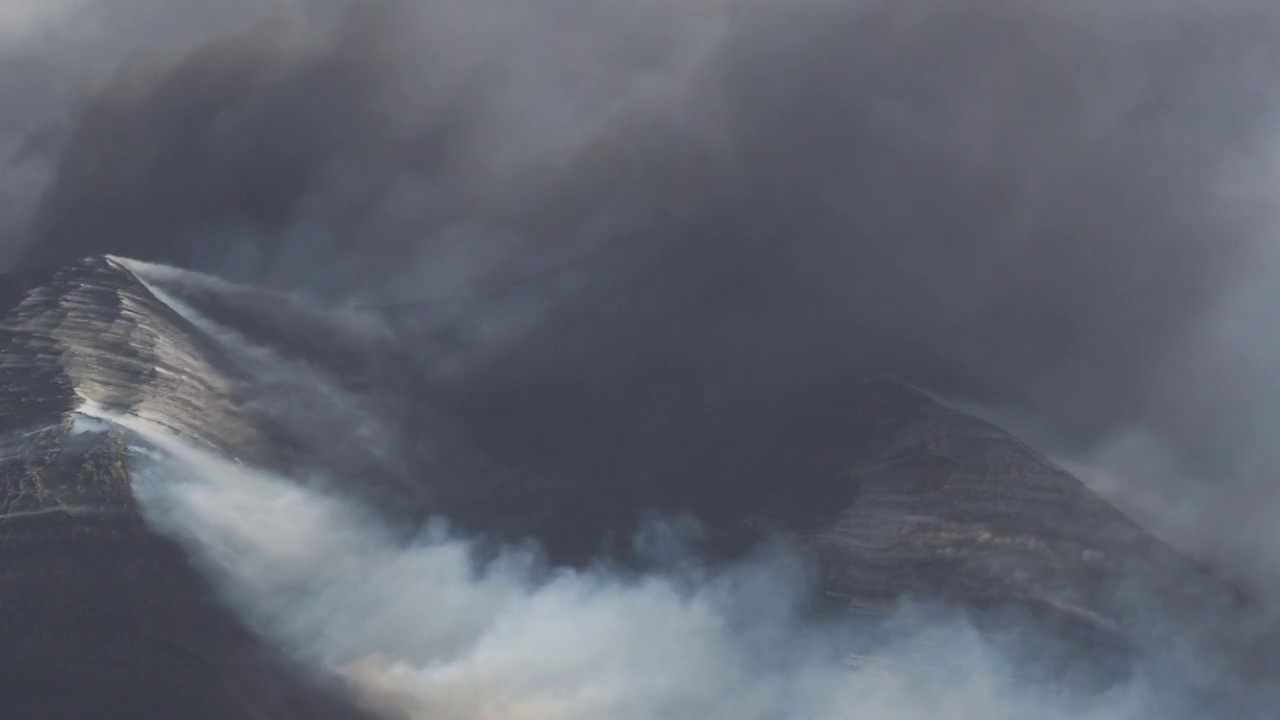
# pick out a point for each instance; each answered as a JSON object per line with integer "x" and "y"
{"x": 427, "y": 632}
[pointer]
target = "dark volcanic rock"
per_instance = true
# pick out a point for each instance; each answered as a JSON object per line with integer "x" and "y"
{"x": 100, "y": 618}
{"x": 892, "y": 494}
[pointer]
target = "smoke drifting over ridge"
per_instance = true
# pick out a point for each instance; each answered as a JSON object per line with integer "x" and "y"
{"x": 1064, "y": 210}
{"x": 425, "y": 633}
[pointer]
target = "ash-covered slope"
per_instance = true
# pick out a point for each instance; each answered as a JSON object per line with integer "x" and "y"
{"x": 891, "y": 493}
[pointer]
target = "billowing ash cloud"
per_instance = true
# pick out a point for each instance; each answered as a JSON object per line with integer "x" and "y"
{"x": 1062, "y": 210}
{"x": 1015, "y": 201}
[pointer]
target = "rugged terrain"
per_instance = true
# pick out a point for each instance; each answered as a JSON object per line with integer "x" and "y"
{"x": 889, "y": 492}
{"x": 100, "y": 617}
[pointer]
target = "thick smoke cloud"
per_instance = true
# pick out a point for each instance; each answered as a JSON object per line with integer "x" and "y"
{"x": 1059, "y": 210}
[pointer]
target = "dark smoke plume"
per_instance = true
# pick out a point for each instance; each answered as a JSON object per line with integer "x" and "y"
{"x": 1060, "y": 210}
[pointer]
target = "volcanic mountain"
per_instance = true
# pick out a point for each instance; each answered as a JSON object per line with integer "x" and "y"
{"x": 887, "y": 492}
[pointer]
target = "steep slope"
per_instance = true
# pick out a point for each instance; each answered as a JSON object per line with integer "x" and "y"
{"x": 99, "y": 617}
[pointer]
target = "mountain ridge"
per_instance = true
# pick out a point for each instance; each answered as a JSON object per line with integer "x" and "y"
{"x": 890, "y": 493}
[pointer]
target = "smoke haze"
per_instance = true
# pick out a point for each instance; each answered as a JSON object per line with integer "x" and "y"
{"x": 1061, "y": 214}
{"x": 1063, "y": 210}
